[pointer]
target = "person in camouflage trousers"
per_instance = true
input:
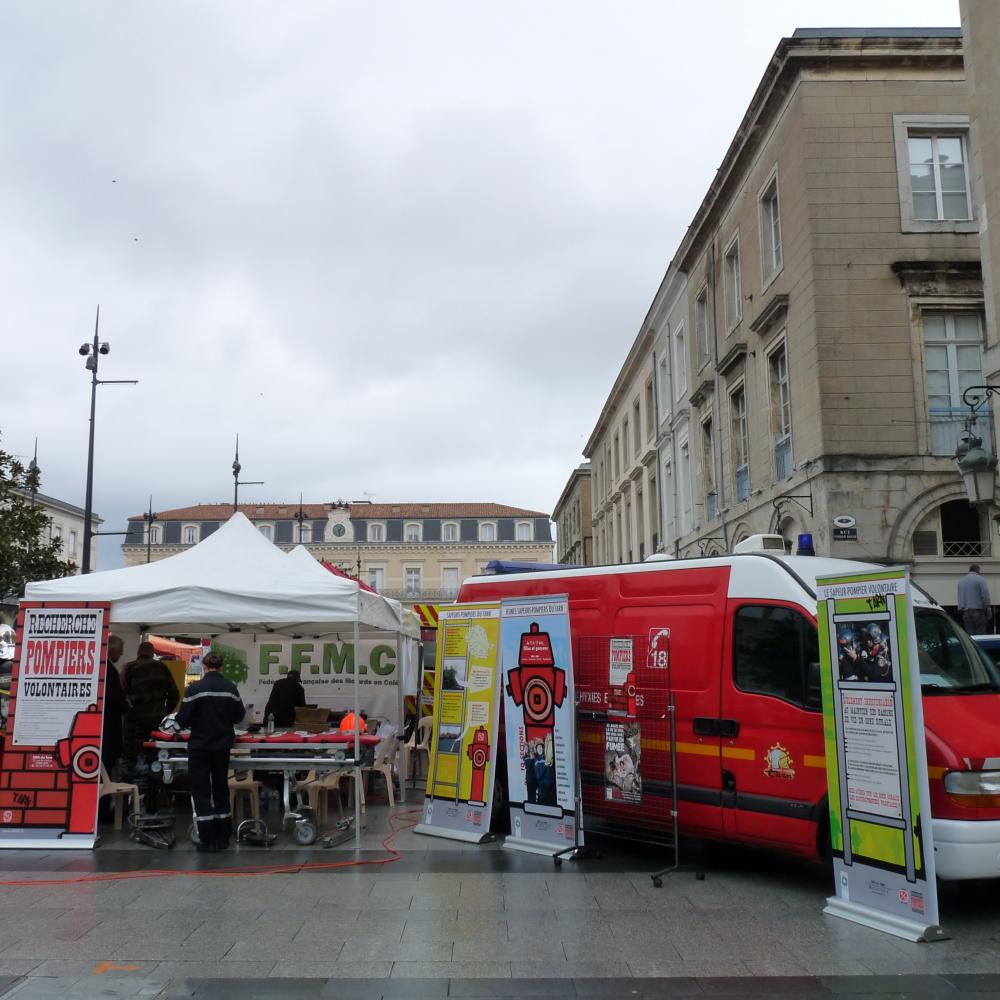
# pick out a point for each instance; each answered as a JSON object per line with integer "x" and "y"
{"x": 152, "y": 694}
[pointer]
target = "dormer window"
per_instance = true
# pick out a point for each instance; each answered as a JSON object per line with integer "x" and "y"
{"x": 524, "y": 531}
{"x": 412, "y": 531}
{"x": 376, "y": 532}
{"x": 267, "y": 530}
{"x": 449, "y": 532}
{"x": 487, "y": 531}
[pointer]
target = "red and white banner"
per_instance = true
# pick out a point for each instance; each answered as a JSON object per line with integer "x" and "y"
{"x": 50, "y": 768}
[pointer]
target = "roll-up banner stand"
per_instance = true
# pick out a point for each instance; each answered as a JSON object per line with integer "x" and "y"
{"x": 458, "y": 803}
{"x": 50, "y": 769}
{"x": 540, "y": 723}
{"x": 880, "y": 817}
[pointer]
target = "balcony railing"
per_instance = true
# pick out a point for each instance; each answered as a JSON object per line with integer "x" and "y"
{"x": 783, "y": 457}
{"x": 425, "y": 595}
{"x": 948, "y": 422}
{"x": 965, "y": 550}
{"x": 742, "y": 483}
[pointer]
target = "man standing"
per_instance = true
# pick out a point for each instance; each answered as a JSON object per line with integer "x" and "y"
{"x": 152, "y": 694}
{"x": 974, "y": 602}
{"x": 287, "y": 694}
{"x": 114, "y": 708}
{"x": 211, "y": 707}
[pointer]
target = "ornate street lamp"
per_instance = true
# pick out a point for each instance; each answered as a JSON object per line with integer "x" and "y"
{"x": 976, "y": 464}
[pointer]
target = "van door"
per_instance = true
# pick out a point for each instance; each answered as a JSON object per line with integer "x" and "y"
{"x": 773, "y": 763}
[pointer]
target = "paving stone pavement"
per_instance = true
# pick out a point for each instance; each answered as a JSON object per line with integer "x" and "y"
{"x": 446, "y": 921}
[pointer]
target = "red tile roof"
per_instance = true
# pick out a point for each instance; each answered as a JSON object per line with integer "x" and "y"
{"x": 358, "y": 511}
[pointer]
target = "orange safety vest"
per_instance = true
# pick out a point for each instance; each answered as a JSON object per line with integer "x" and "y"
{"x": 348, "y": 723}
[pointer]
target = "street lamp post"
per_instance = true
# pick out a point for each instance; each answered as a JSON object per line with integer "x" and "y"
{"x": 92, "y": 352}
{"x": 236, "y": 478}
{"x": 976, "y": 464}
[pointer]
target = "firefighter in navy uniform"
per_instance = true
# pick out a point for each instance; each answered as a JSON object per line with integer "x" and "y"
{"x": 210, "y": 709}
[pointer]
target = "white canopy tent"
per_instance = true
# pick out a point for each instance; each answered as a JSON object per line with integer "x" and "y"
{"x": 235, "y": 581}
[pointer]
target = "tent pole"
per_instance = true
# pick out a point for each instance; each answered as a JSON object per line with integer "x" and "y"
{"x": 402, "y": 670}
{"x": 357, "y": 722}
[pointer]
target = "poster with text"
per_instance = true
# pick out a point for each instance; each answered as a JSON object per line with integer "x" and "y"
{"x": 880, "y": 820}
{"x": 458, "y": 801}
{"x": 50, "y": 770}
{"x": 539, "y": 719}
{"x": 622, "y": 762}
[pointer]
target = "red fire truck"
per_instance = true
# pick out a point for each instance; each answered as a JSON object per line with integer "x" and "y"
{"x": 743, "y": 665}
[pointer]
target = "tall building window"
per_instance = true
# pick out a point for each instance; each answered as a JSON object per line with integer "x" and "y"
{"x": 741, "y": 444}
{"x": 781, "y": 413}
{"x": 708, "y": 465}
{"x": 625, "y": 440}
{"x": 71, "y": 548}
{"x": 487, "y": 532}
{"x": 450, "y": 532}
{"x": 413, "y": 532}
{"x": 684, "y": 487}
{"x": 680, "y": 364}
{"x": 267, "y": 531}
{"x": 449, "y": 580}
{"x": 376, "y": 578}
{"x": 650, "y": 411}
{"x": 939, "y": 178}
{"x": 701, "y": 326}
{"x": 636, "y": 428}
{"x": 733, "y": 283}
{"x": 628, "y": 531}
{"x": 953, "y": 346}
{"x": 376, "y": 533}
{"x": 770, "y": 231}
{"x": 664, "y": 377}
{"x": 412, "y": 581}
{"x": 618, "y": 460}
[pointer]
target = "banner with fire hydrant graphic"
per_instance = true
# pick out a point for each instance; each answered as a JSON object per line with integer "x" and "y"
{"x": 459, "y": 797}
{"x": 540, "y": 724}
{"x": 50, "y": 768}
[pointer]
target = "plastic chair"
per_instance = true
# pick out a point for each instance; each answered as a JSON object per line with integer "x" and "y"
{"x": 120, "y": 790}
{"x": 385, "y": 759}
{"x": 241, "y": 790}
{"x": 420, "y": 743}
{"x": 319, "y": 790}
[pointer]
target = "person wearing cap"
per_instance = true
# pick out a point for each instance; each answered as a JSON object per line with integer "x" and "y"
{"x": 210, "y": 709}
{"x": 287, "y": 694}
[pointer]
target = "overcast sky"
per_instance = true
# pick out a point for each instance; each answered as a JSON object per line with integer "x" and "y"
{"x": 401, "y": 247}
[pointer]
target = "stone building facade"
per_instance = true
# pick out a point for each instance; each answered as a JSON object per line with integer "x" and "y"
{"x": 414, "y": 552}
{"x": 817, "y": 325}
{"x": 573, "y": 520}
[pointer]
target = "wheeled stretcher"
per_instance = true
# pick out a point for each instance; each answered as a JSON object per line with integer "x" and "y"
{"x": 288, "y": 753}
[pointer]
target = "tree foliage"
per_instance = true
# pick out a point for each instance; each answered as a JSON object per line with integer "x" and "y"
{"x": 27, "y": 553}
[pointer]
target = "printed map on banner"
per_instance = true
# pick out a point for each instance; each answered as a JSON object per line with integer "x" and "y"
{"x": 459, "y": 797}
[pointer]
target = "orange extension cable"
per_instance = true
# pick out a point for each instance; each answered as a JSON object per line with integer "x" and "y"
{"x": 394, "y": 855}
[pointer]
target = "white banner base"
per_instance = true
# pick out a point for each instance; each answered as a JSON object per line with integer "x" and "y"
{"x": 909, "y": 930}
{"x": 464, "y": 835}
{"x": 23, "y": 840}
{"x": 532, "y": 846}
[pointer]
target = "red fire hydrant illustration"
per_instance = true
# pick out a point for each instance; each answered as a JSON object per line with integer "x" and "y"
{"x": 537, "y": 685}
{"x": 622, "y": 699}
{"x": 478, "y": 751}
{"x": 80, "y": 754}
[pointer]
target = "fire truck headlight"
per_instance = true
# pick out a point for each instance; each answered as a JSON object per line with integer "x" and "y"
{"x": 973, "y": 789}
